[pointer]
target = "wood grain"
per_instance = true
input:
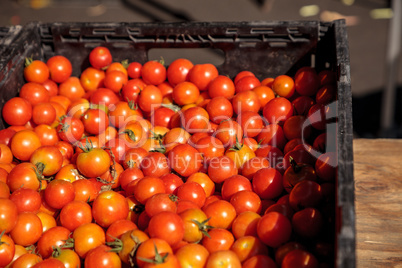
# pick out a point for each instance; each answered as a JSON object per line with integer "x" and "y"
{"x": 378, "y": 202}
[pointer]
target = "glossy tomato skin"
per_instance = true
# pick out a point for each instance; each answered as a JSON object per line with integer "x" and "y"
{"x": 299, "y": 258}
{"x": 8, "y": 214}
{"x": 153, "y": 72}
{"x": 27, "y": 230}
{"x": 306, "y": 81}
{"x": 221, "y": 86}
{"x": 168, "y": 226}
{"x": 87, "y": 237}
{"x": 178, "y": 70}
{"x": 274, "y": 229}
{"x": 54, "y": 237}
{"x": 17, "y": 111}
{"x": 102, "y": 256}
{"x": 59, "y": 193}
{"x": 108, "y": 207}
{"x": 223, "y": 258}
{"x": 60, "y": 68}
{"x": 267, "y": 183}
{"x": 100, "y": 57}
{"x": 278, "y": 110}
{"x": 202, "y": 74}
{"x": 36, "y": 71}
{"x": 26, "y": 199}
{"x": 24, "y": 143}
{"x": 93, "y": 163}
{"x": 185, "y": 159}
{"x": 74, "y": 214}
{"x": 284, "y": 86}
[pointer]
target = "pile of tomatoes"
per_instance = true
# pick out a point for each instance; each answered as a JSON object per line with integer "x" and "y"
{"x": 145, "y": 165}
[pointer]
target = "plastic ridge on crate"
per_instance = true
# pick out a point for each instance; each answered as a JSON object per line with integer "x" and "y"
{"x": 7, "y": 35}
{"x": 266, "y": 48}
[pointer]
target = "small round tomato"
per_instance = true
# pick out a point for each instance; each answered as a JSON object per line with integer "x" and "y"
{"x": 87, "y": 237}
{"x": 100, "y": 57}
{"x": 326, "y": 166}
{"x": 229, "y": 132}
{"x": 103, "y": 97}
{"x": 195, "y": 119}
{"x": 74, "y": 214}
{"x": 108, "y": 207}
{"x": 272, "y": 134}
{"x": 284, "y": 86}
{"x": 150, "y": 98}
{"x": 202, "y": 74}
{"x": 221, "y": 214}
{"x": 297, "y": 126}
{"x": 220, "y": 168}
{"x": 24, "y": 175}
{"x": 95, "y": 121}
{"x": 27, "y": 200}
{"x": 48, "y": 159}
{"x": 192, "y": 255}
{"x": 267, "y": 183}
{"x": 93, "y": 162}
{"x": 8, "y": 214}
{"x": 168, "y": 226}
{"x": 223, "y": 258}
{"x": 264, "y": 94}
{"x": 27, "y": 230}
{"x": 102, "y": 256}
{"x": 153, "y": 73}
{"x": 305, "y": 194}
{"x": 72, "y": 88}
{"x": 59, "y": 193}
{"x": 246, "y": 200}
{"x": 7, "y": 249}
{"x": 274, "y": 229}
{"x": 134, "y": 70}
{"x": 155, "y": 164}
{"x": 35, "y": 71}
{"x": 34, "y": 93}
{"x": 245, "y": 224}
{"x": 259, "y": 261}
{"x": 247, "y": 83}
{"x": 246, "y": 101}
{"x": 185, "y": 159}
{"x": 299, "y": 258}
{"x": 149, "y": 248}
{"x": 24, "y": 143}
{"x": 234, "y": 184}
{"x": 161, "y": 202}
{"x": 192, "y": 191}
{"x": 278, "y": 110}
{"x": 306, "y": 81}
{"x": 115, "y": 80}
{"x": 242, "y": 74}
{"x": 178, "y": 70}
{"x": 60, "y": 68}
{"x": 185, "y": 93}
{"x": 17, "y": 111}
{"x": 248, "y": 246}
{"x": 251, "y": 166}
{"x": 221, "y": 86}
{"x": 91, "y": 79}
{"x": 218, "y": 239}
{"x": 145, "y": 188}
{"x": 54, "y": 237}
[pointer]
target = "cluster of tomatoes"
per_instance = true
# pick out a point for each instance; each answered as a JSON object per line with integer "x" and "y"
{"x": 142, "y": 165}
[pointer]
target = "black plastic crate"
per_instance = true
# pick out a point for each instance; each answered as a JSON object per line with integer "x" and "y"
{"x": 267, "y": 48}
{"x": 7, "y": 35}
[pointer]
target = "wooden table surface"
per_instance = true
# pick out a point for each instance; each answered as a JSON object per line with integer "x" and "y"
{"x": 378, "y": 202}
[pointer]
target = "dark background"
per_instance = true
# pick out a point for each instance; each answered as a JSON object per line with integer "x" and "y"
{"x": 368, "y": 35}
